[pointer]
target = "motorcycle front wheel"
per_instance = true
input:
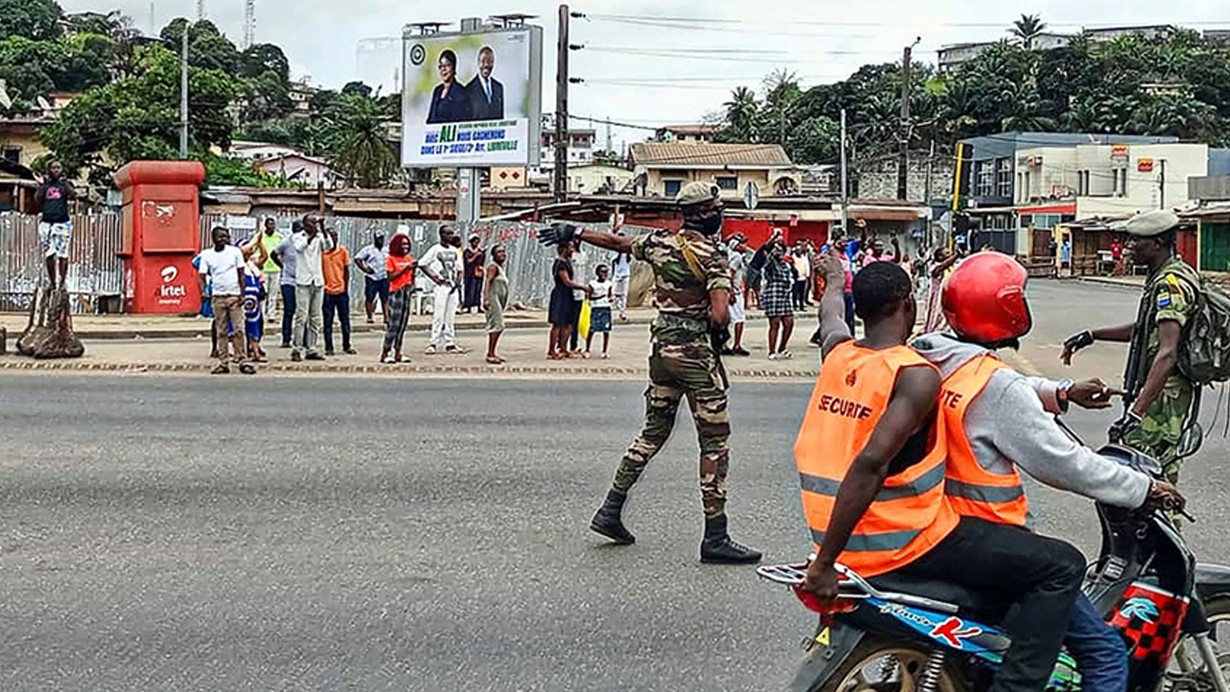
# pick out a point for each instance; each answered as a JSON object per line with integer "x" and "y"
{"x": 1186, "y": 666}
{"x": 877, "y": 664}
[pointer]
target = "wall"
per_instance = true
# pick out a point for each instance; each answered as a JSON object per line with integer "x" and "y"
{"x": 879, "y": 180}
{"x": 590, "y": 179}
{"x": 1039, "y": 183}
{"x": 656, "y": 178}
{"x": 1144, "y": 188}
{"x": 757, "y": 231}
{"x": 22, "y": 136}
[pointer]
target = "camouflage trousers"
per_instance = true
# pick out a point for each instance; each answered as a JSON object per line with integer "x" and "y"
{"x": 1163, "y": 424}
{"x": 677, "y": 371}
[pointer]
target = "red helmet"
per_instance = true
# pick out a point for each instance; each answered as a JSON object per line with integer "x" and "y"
{"x": 984, "y": 299}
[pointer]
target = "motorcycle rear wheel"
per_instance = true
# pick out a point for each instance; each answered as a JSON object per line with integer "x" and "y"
{"x": 876, "y": 663}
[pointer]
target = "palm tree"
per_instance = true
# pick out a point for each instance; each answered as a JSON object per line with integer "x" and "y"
{"x": 741, "y": 113}
{"x": 359, "y": 143}
{"x": 1027, "y": 28}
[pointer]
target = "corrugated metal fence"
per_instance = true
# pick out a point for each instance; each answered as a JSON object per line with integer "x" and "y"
{"x": 95, "y": 270}
{"x": 528, "y": 266}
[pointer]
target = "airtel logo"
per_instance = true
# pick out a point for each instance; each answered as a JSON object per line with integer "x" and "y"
{"x": 169, "y": 274}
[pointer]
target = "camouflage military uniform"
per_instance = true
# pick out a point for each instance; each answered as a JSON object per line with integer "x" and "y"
{"x": 1170, "y": 294}
{"x": 682, "y": 363}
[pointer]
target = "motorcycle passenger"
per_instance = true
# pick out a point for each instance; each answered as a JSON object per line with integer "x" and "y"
{"x": 984, "y": 304}
{"x": 871, "y": 456}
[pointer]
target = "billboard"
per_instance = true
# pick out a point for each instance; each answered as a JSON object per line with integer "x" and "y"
{"x": 472, "y": 100}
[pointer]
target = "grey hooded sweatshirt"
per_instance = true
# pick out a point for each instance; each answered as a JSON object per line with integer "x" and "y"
{"x": 1011, "y": 422}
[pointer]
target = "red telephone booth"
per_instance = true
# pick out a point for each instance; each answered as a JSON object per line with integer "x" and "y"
{"x": 161, "y": 217}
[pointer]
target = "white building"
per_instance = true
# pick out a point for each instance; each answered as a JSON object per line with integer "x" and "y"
{"x": 580, "y": 148}
{"x": 1110, "y": 179}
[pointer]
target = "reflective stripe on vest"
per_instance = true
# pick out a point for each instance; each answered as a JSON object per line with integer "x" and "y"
{"x": 910, "y": 512}
{"x": 972, "y": 490}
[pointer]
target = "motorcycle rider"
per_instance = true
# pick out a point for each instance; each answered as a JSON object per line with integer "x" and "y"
{"x": 871, "y": 455}
{"x": 984, "y": 304}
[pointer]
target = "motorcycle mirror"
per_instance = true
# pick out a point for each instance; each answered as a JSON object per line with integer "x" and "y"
{"x": 1190, "y": 442}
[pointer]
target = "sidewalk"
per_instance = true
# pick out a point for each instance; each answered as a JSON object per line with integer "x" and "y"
{"x": 524, "y": 346}
{"x": 1134, "y": 282}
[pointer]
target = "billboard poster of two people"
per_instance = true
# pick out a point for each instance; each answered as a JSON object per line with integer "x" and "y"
{"x": 480, "y": 99}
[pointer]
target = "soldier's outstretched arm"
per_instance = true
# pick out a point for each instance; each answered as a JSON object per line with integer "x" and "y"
{"x": 606, "y": 240}
{"x": 833, "y": 327}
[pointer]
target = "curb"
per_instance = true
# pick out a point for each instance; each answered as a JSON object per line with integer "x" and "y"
{"x": 27, "y": 364}
{"x": 202, "y": 331}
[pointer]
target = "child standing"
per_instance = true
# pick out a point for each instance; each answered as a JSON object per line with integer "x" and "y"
{"x": 601, "y": 291}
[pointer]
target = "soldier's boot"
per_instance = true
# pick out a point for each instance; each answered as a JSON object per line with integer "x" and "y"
{"x": 608, "y": 521}
{"x": 718, "y": 548}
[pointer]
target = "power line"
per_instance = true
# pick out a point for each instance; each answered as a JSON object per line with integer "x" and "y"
{"x": 1007, "y": 25}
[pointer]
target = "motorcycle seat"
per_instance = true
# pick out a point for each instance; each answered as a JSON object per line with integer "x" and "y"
{"x": 986, "y": 605}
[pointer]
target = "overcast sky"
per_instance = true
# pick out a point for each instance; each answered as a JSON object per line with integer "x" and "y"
{"x": 738, "y": 41}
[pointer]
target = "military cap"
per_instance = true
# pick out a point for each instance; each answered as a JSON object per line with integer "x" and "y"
{"x": 1152, "y": 223}
{"x": 697, "y": 193}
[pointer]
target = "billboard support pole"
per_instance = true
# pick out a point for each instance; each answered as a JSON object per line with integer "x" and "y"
{"x": 561, "y": 108}
{"x": 469, "y": 187}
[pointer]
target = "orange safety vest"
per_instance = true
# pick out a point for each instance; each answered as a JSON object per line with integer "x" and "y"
{"x": 972, "y": 490}
{"x": 910, "y": 514}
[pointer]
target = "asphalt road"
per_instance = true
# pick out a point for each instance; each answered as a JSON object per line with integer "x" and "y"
{"x": 298, "y": 533}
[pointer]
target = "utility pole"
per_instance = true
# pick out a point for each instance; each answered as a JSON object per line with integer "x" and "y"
{"x": 927, "y": 192}
{"x": 903, "y": 156}
{"x": 561, "y": 107}
{"x": 845, "y": 186}
{"x": 1161, "y": 183}
{"x": 183, "y": 95}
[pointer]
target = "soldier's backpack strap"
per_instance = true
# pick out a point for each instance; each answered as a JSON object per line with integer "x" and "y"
{"x": 690, "y": 258}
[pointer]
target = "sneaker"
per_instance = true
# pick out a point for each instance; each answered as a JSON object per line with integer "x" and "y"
{"x": 286, "y": 345}
{"x": 431, "y": 350}
{"x": 773, "y": 356}
{"x": 221, "y": 370}
{"x": 247, "y": 369}
{"x": 388, "y": 360}
{"x": 740, "y": 351}
{"x": 296, "y": 356}
{"x": 329, "y": 352}
{"x": 785, "y": 355}
{"x": 315, "y": 356}
{"x": 351, "y": 352}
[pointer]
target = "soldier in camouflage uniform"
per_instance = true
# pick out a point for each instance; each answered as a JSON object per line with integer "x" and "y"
{"x": 692, "y": 282}
{"x": 1161, "y": 398}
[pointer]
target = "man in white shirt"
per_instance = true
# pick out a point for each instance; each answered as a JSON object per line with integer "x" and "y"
{"x": 442, "y": 264}
{"x": 371, "y": 261}
{"x": 309, "y": 245}
{"x": 224, "y": 265}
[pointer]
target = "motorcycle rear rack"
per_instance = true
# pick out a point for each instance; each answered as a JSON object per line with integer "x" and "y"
{"x": 852, "y": 586}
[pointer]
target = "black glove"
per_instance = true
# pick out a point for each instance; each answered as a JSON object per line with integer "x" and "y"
{"x": 558, "y": 233}
{"x": 1124, "y": 426}
{"x": 1074, "y": 344}
{"x": 718, "y": 337}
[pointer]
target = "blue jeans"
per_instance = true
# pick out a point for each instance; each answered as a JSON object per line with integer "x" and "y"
{"x": 288, "y": 313}
{"x": 1101, "y": 656}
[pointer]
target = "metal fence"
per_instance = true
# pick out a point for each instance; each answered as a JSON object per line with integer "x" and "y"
{"x": 95, "y": 270}
{"x": 528, "y": 266}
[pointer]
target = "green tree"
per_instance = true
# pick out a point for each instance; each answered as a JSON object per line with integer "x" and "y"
{"x": 358, "y": 142}
{"x": 207, "y": 47}
{"x": 742, "y": 113}
{"x": 357, "y": 89}
{"x": 137, "y": 118}
{"x": 1028, "y": 28}
{"x": 38, "y": 20}
{"x": 260, "y": 58}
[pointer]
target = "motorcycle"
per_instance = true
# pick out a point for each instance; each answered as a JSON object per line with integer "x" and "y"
{"x": 898, "y": 633}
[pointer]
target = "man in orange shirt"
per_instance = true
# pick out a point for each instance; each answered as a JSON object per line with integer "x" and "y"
{"x": 335, "y": 264}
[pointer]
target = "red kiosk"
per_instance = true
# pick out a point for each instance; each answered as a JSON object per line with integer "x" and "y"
{"x": 161, "y": 217}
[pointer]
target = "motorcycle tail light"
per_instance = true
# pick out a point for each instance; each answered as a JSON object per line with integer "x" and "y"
{"x": 812, "y": 603}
